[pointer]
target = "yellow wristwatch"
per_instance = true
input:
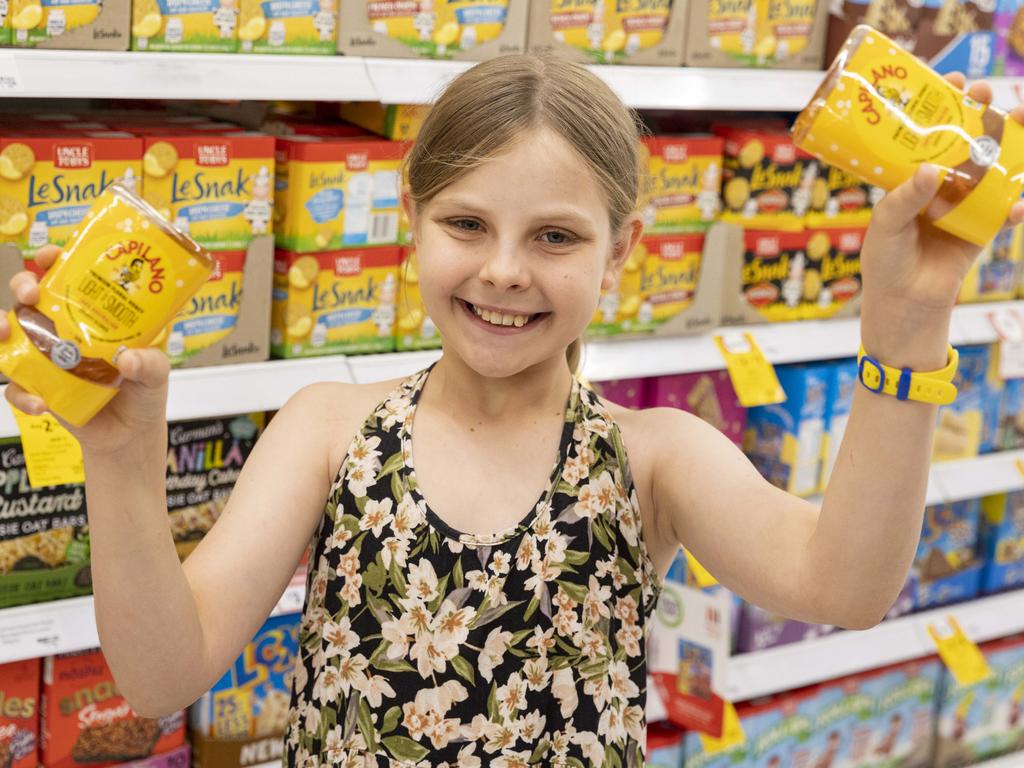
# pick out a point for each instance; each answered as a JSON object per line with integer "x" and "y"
{"x": 934, "y": 387}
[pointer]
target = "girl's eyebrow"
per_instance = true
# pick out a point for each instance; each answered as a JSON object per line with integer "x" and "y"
{"x": 565, "y": 214}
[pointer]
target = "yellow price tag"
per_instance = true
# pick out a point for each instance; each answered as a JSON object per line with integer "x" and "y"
{"x": 732, "y": 732}
{"x": 753, "y": 377}
{"x": 52, "y": 454}
{"x": 701, "y": 576}
{"x": 960, "y": 654}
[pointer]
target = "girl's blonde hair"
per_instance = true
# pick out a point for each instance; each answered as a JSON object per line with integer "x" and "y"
{"x": 489, "y": 106}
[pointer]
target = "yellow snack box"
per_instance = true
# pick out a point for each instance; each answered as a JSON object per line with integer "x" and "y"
{"x": 439, "y": 29}
{"x": 832, "y": 269}
{"x": 340, "y": 302}
{"x": 399, "y": 122}
{"x": 35, "y": 21}
{"x": 123, "y": 276}
{"x": 288, "y": 26}
{"x": 994, "y": 275}
{"x": 196, "y": 26}
{"x": 413, "y": 327}
{"x": 218, "y": 188}
{"x": 211, "y": 313}
{"x": 618, "y": 309}
{"x": 682, "y": 189}
{"x": 48, "y": 183}
{"x": 610, "y": 32}
{"x": 836, "y": 198}
{"x": 880, "y": 113}
{"x": 337, "y": 193}
{"x": 669, "y": 277}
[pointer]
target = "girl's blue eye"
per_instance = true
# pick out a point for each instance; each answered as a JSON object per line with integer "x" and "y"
{"x": 469, "y": 225}
{"x": 556, "y": 237}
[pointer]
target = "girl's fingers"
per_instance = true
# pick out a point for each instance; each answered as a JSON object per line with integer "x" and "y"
{"x": 23, "y": 401}
{"x": 956, "y": 79}
{"x": 148, "y": 367}
{"x": 1016, "y": 215}
{"x": 1017, "y": 113}
{"x": 25, "y": 287}
{"x": 46, "y": 255}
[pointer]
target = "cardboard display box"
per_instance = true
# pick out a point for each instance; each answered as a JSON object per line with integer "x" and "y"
{"x": 109, "y": 31}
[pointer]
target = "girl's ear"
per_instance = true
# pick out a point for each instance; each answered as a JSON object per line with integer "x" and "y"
{"x": 409, "y": 206}
{"x": 626, "y": 240}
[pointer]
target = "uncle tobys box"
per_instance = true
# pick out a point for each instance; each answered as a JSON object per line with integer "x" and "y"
{"x": 19, "y": 714}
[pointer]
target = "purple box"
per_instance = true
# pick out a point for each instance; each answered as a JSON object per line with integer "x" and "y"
{"x": 760, "y": 629}
{"x": 629, "y": 393}
{"x": 176, "y": 758}
{"x": 1010, "y": 38}
{"x": 708, "y": 395}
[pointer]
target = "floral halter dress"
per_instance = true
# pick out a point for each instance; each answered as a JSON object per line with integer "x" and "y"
{"x": 424, "y": 646}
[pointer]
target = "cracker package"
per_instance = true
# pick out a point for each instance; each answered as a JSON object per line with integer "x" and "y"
{"x": 288, "y": 26}
{"x": 784, "y": 440}
{"x": 48, "y": 182}
{"x": 252, "y": 697}
{"x": 19, "y": 714}
{"x": 629, "y": 393}
{"x": 682, "y": 187}
{"x": 631, "y": 32}
{"x": 777, "y": 280}
{"x": 44, "y": 537}
{"x": 961, "y": 424}
{"x": 194, "y": 26}
{"x": 767, "y": 181}
{"x": 204, "y": 460}
{"x": 842, "y": 383}
{"x": 880, "y": 113}
{"x": 668, "y": 277}
{"x": 5, "y": 24}
{"x": 664, "y": 746}
{"x": 760, "y": 629}
{"x": 1009, "y": 38}
{"x": 340, "y": 302}
{"x": 903, "y": 717}
{"x": 980, "y": 721}
{"x": 413, "y": 327}
{"x": 617, "y": 309}
{"x": 1010, "y": 420}
{"x": 708, "y": 395}
{"x": 837, "y": 198}
{"x": 842, "y": 717}
{"x": 34, "y": 21}
{"x": 86, "y": 720}
{"x": 1002, "y": 541}
{"x": 945, "y": 565}
{"x": 471, "y": 30}
{"x": 217, "y": 188}
{"x": 337, "y": 193}
{"x": 995, "y": 274}
{"x": 948, "y": 35}
{"x": 782, "y": 34}
{"x": 399, "y": 122}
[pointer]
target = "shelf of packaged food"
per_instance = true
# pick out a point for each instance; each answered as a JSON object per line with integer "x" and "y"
{"x": 62, "y": 626}
{"x": 791, "y": 666}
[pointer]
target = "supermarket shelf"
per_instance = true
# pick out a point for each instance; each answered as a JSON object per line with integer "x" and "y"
{"x": 972, "y": 478}
{"x": 1015, "y": 760}
{"x": 792, "y": 666}
{"x": 62, "y": 626}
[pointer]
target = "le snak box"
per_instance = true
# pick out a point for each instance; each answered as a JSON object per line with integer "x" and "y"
{"x": 19, "y": 713}
{"x": 337, "y": 193}
{"x": 86, "y": 720}
{"x": 413, "y": 327}
{"x": 48, "y": 182}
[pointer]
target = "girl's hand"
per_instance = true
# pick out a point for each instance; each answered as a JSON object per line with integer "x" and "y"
{"x": 912, "y": 270}
{"x": 139, "y": 407}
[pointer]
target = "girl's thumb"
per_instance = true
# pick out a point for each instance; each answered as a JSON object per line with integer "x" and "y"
{"x": 148, "y": 367}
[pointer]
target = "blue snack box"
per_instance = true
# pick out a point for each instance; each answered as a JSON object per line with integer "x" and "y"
{"x": 784, "y": 441}
{"x": 904, "y": 714}
{"x": 664, "y": 746}
{"x": 958, "y": 434}
{"x": 1010, "y": 432}
{"x": 945, "y": 566}
{"x": 842, "y": 383}
{"x": 842, "y": 716}
{"x": 1002, "y": 541}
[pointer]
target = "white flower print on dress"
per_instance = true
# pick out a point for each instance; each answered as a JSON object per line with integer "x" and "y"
{"x": 340, "y": 637}
{"x": 510, "y": 759}
{"x": 394, "y": 550}
{"x": 376, "y": 515}
{"x": 574, "y": 470}
{"x": 536, "y": 673}
{"x": 374, "y": 688}
{"x": 422, "y": 580}
{"x": 493, "y": 652}
{"x": 563, "y": 686}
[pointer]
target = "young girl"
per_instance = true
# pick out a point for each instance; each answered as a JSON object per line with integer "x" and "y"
{"x": 495, "y": 535}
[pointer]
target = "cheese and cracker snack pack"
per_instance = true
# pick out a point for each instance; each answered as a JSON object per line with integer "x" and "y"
{"x": 35, "y": 21}
{"x": 306, "y": 27}
{"x": 606, "y": 32}
{"x": 767, "y": 182}
{"x": 995, "y": 274}
{"x": 778, "y": 279}
{"x": 204, "y": 459}
{"x": 19, "y": 713}
{"x": 85, "y": 720}
{"x": 413, "y": 327}
{"x": 49, "y": 181}
{"x": 958, "y": 434}
{"x": 44, "y": 536}
{"x": 668, "y": 277}
{"x": 218, "y": 188}
{"x": 428, "y": 28}
{"x": 339, "y": 302}
{"x": 194, "y": 26}
{"x": 945, "y": 565}
{"x": 837, "y": 198}
{"x": 123, "y": 277}
{"x": 618, "y": 309}
{"x": 252, "y": 697}
{"x": 337, "y": 193}
{"x": 832, "y": 270}
{"x": 683, "y": 184}
{"x": 880, "y": 113}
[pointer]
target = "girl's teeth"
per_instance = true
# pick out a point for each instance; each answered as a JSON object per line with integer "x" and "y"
{"x": 497, "y": 318}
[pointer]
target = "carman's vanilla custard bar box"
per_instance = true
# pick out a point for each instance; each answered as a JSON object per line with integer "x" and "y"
{"x": 468, "y": 30}
{"x": 338, "y": 302}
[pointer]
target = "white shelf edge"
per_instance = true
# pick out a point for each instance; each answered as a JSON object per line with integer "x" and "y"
{"x": 1013, "y": 760}
{"x": 50, "y": 73}
{"x": 63, "y": 626}
{"x": 792, "y": 666}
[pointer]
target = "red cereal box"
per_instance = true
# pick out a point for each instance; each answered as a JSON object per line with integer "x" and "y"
{"x": 86, "y": 720}
{"x": 19, "y": 714}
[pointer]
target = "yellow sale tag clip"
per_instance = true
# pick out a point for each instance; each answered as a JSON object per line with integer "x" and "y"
{"x": 52, "y": 454}
{"x": 753, "y": 377}
{"x": 701, "y": 576}
{"x": 960, "y": 654}
{"x": 732, "y": 732}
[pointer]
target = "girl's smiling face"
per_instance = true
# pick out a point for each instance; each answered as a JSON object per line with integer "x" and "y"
{"x": 514, "y": 253}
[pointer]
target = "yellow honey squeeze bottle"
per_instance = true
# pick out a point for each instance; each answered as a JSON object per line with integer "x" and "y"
{"x": 123, "y": 276}
{"x": 880, "y": 113}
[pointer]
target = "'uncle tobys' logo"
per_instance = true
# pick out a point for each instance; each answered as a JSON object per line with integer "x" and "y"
{"x": 72, "y": 156}
{"x": 213, "y": 155}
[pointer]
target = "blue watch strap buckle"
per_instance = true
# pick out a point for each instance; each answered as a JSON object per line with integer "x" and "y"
{"x": 881, "y": 374}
